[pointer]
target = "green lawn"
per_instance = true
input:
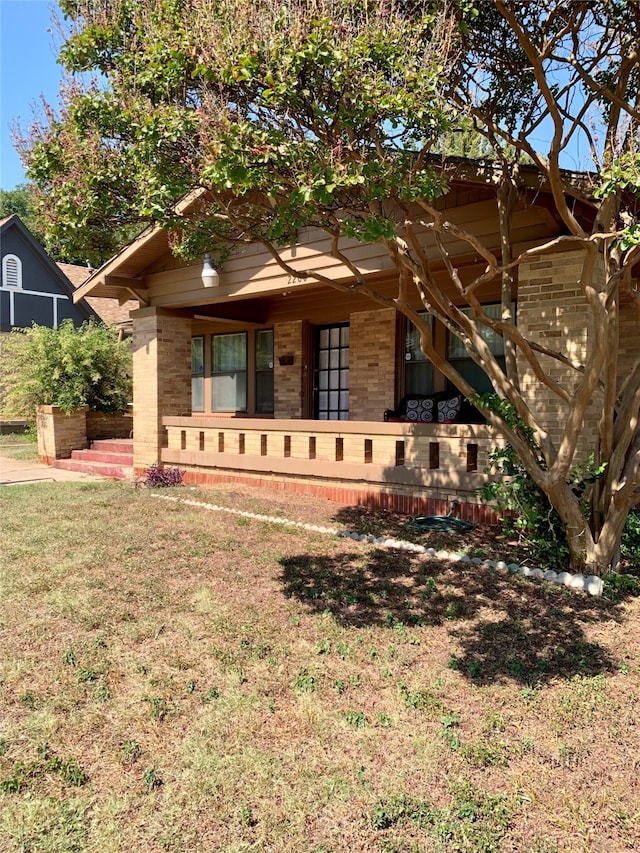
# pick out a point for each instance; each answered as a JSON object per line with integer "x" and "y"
{"x": 18, "y": 445}
{"x": 180, "y": 679}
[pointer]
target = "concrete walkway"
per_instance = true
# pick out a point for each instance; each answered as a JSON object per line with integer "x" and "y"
{"x": 17, "y": 471}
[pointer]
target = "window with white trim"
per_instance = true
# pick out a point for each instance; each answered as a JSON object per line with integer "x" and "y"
{"x": 418, "y": 370}
{"x": 12, "y": 272}
{"x": 459, "y": 357}
{"x": 229, "y": 372}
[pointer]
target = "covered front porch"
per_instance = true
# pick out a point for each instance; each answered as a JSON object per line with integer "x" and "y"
{"x": 413, "y": 468}
{"x": 281, "y": 379}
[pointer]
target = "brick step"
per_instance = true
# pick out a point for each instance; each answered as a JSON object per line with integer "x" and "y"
{"x": 114, "y": 445}
{"x": 103, "y": 469}
{"x": 95, "y": 455}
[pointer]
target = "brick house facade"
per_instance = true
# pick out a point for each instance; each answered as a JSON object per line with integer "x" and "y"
{"x": 263, "y": 414}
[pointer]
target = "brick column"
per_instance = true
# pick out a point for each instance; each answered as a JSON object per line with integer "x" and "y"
{"x": 59, "y": 434}
{"x": 161, "y": 378}
{"x": 372, "y": 360}
{"x": 289, "y": 378}
{"x": 628, "y": 340}
{"x": 552, "y": 309}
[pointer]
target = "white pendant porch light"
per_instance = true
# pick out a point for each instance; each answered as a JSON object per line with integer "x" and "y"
{"x": 209, "y": 275}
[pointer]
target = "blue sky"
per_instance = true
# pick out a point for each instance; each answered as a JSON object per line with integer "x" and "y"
{"x": 28, "y": 68}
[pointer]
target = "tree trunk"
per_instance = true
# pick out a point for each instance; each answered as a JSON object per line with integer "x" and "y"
{"x": 587, "y": 555}
{"x": 607, "y": 546}
{"x": 578, "y": 532}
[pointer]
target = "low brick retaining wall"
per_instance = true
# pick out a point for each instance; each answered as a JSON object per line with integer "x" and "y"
{"x": 59, "y": 434}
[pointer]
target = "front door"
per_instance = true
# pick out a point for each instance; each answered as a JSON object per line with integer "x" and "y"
{"x": 331, "y": 374}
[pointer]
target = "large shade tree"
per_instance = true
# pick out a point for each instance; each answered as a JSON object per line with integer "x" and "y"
{"x": 289, "y": 113}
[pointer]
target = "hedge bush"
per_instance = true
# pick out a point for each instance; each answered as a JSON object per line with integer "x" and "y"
{"x": 66, "y": 367}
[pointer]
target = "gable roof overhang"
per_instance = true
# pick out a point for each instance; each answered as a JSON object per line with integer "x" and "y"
{"x": 126, "y": 275}
{"x": 122, "y": 276}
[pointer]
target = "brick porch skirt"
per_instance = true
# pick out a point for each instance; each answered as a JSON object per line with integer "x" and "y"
{"x": 347, "y": 495}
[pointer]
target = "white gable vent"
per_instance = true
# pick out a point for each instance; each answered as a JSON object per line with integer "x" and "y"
{"x": 11, "y": 271}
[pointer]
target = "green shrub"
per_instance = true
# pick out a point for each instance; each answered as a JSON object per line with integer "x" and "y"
{"x": 620, "y": 586}
{"x": 65, "y": 367}
{"x": 630, "y": 545}
{"x": 528, "y": 512}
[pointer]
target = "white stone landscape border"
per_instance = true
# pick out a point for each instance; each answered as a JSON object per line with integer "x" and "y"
{"x": 591, "y": 584}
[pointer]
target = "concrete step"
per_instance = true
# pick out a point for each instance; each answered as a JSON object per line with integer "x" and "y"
{"x": 114, "y": 445}
{"x": 103, "y": 469}
{"x": 94, "y": 455}
{"x": 107, "y": 457}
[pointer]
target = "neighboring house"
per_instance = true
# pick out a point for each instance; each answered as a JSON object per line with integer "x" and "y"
{"x": 36, "y": 289}
{"x": 284, "y": 381}
{"x": 33, "y": 288}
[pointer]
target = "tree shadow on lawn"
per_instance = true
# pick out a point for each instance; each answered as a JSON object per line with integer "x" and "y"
{"x": 506, "y": 627}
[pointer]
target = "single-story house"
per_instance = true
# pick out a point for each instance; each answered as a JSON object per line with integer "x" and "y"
{"x": 271, "y": 379}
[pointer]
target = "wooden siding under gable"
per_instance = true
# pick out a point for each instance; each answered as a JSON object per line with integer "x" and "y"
{"x": 148, "y": 266}
{"x": 253, "y": 273}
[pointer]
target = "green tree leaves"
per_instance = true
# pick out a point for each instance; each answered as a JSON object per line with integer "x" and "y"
{"x": 310, "y": 106}
{"x": 18, "y": 201}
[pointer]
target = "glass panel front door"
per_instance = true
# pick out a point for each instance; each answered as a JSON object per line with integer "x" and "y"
{"x": 331, "y": 375}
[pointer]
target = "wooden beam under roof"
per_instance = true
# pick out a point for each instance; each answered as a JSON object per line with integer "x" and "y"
{"x": 229, "y": 321}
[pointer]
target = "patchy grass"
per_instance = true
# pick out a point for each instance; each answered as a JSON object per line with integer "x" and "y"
{"x": 176, "y": 679}
{"x": 18, "y": 445}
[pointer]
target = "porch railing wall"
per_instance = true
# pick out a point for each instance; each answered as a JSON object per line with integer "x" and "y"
{"x": 446, "y": 461}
